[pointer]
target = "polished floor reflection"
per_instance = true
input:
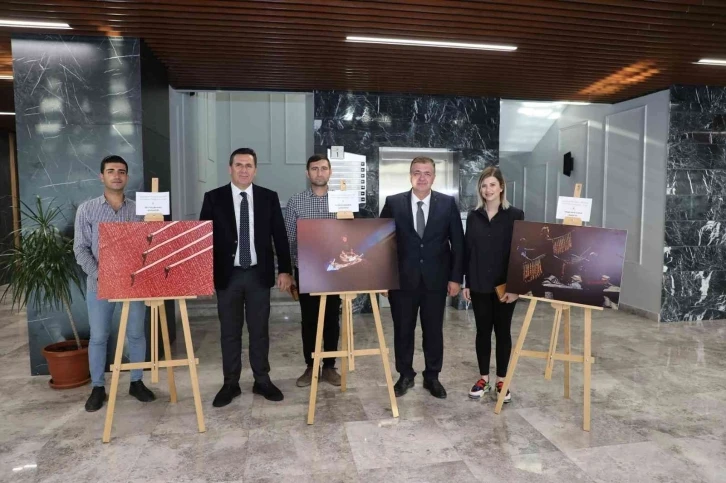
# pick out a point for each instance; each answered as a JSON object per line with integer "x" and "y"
{"x": 658, "y": 414}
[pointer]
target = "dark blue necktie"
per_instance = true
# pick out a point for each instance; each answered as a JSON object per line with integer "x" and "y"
{"x": 245, "y": 256}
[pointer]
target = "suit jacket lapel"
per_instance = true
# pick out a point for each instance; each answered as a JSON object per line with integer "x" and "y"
{"x": 227, "y": 210}
{"x": 258, "y": 205}
{"x": 409, "y": 210}
{"x": 432, "y": 212}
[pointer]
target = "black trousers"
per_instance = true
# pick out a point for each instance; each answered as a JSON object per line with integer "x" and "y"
{"x": 246, "y": 297}
{"x": 309, "y": 308}
{"x": 405, "y": 306}
{"x": 490, "y": 313}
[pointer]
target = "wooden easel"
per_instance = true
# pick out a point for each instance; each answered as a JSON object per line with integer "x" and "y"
{"x": 348, "y": 215}
{"x": 158, "y": 318}
{"x": 348, "y": 353}
{"x": 562, "y": 310}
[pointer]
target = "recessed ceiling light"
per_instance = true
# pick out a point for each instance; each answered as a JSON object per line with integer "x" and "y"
{"x": 534, "y": 112}
{"x": 4, "y": 22}
{"x": 623, "y": 78}
{"x": 7, "y": 113}
{"x": 574, "y": 103}
{"x": 430, "y": 43}
{"x": 712, "y": 62}
{"x": 537, "y": 103}
{"x": 554, "y": 103}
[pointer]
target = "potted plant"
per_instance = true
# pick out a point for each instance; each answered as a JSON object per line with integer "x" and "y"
{"x": 42, "y": 270}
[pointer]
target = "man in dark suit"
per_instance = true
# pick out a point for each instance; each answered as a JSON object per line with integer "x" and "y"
{"x": 430, "y": 241}
{"x": 246, "y": 219}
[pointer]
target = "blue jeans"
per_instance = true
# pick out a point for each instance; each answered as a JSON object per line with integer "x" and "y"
{"x": 100, "y": 318}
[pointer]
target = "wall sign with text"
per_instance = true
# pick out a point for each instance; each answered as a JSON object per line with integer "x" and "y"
{"x": 351, "y": 169}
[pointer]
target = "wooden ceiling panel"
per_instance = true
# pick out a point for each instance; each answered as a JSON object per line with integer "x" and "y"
{"x": 590, "y": 50}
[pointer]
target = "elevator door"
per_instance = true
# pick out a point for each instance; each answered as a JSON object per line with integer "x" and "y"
{"x": 394, "y": 174}
{"x": 394, "y": 171}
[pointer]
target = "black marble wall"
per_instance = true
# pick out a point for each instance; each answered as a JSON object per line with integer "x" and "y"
{"x": 694, "y": 268}
{"x": 155, "y": 120}
{"x": 363, "y": 122}
{"x": 77, "y": 100}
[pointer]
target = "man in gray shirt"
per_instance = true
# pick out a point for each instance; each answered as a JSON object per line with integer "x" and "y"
{"x": 112, "y": 206}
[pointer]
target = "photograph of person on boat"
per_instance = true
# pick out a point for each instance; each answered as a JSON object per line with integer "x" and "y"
{"x": 347, "y": 255}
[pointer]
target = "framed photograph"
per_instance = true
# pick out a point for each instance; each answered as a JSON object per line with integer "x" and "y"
{"x": 347, "y": 255}
{"x": 141, "y": 260}
{"x": 578, "y": 264}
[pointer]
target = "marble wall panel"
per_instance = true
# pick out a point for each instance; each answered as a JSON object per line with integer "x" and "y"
{"x": 79, "y": 99}
{"x": 694, "y": 258}
{"x": 363, "y": 122}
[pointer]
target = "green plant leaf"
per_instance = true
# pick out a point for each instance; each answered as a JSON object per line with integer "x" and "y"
{"x": 43, "y": 269}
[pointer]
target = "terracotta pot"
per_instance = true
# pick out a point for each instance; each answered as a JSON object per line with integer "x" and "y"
{"x": 67, "y": 364}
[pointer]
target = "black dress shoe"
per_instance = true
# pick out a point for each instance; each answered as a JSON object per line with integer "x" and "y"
{"x": 226, "y": 394}
{"x": 403, "y": 385}
{"x": 96, "y": 399}
{"x": 268, "y": 390}
{"x": 141, "y": 392}
{"x": 435, "y": 388}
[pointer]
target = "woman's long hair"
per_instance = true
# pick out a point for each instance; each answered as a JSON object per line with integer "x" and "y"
{"x": 492, "y": 171}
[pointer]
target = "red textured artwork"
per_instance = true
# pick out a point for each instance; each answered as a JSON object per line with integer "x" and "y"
{"x": 142, "y": 260}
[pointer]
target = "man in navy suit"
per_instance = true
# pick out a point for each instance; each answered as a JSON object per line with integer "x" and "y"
{"x": 246, "y": 220}
{"x": 430, "y": 241}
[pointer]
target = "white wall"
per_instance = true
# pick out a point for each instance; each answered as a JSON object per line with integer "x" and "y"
{"x": 194, "y": 156}
{"x": 278, "y": 126}
{"x": 512, "y": 165}
{"x": 620, "y": 157}
{"x": 579, "y": 131}
{"x": 207, "y": 127}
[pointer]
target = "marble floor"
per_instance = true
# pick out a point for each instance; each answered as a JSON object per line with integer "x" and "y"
{"x": 658, "y": 414}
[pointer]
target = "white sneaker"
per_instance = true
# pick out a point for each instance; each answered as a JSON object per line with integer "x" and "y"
{"x": 508, "y": 397}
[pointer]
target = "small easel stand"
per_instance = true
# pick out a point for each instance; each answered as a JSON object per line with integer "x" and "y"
{"x": 158, "y": 318}
{"x": 561, "y": 309}
{"x": 348, "y": 353}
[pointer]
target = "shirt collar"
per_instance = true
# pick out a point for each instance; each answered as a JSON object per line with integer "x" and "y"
{"x": 415, "y": 200}
{"x": 105, "y": 201}
{"x": 236, "y": 191}
{"x": 483, "y": 210}
{"x": 309, "y": 193}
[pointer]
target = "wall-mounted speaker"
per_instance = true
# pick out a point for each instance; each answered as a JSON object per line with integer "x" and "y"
{"x": 568, "y": 164}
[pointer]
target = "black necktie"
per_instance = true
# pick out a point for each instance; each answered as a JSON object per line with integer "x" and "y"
{"x": 245, "y": 256}
{"x": 420, "y": 220}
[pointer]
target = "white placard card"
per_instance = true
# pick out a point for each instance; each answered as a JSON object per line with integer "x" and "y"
{"x": 343, "y": 201}
{"x": 152, "y": 203}
{"x": 575, "y": 207}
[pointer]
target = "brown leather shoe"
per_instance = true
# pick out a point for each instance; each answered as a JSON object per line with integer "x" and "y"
{"x": 331, "y": 376}
{"x": 306, "y": 379}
